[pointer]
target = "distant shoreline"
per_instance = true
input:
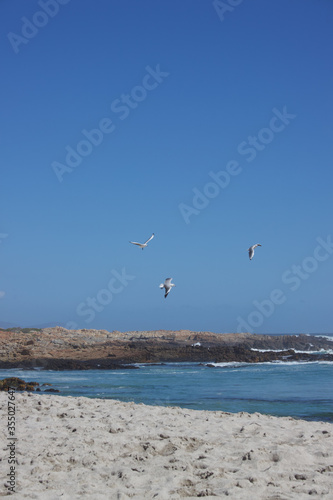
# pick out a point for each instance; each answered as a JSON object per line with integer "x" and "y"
{"x": 60, "y": 349}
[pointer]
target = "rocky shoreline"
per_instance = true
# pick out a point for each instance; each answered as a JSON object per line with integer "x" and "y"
{"x": 60, "y": 349}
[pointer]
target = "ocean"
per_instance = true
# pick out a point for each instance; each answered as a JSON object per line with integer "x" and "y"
{"x": 297, "y": 389}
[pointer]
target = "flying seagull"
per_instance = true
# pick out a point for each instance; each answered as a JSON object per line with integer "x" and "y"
{"x": 251, "y": 250}
{"x": 167, "y": 285}
{"x": 143, "y": 245}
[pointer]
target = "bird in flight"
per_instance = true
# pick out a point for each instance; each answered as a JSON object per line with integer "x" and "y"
{"x": 143, "y": 245}
{"x": 251, "y": 250}
{"x": 167, "y": 285}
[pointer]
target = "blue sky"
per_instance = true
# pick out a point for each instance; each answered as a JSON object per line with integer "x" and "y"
{"x": 214, "y": 131}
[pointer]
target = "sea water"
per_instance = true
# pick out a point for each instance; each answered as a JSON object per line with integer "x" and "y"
{"x": 297, "y": 389}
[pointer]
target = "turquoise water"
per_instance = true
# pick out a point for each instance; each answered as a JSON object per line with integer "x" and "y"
{"x": 301, "y": 390}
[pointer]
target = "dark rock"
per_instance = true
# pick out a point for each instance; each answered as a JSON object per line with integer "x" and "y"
{"x": 18, "y": 384}
{"x": 25, "y": 352}
{"x": 61, "y": 349}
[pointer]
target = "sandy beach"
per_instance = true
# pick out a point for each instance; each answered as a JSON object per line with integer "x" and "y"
{"x": 70, "y": 448}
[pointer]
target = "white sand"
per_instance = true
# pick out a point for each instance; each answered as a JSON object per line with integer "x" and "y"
{"x": 71, "y": 448}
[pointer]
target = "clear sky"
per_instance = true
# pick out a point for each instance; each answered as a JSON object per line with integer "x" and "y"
{"x": 209, "y": 124}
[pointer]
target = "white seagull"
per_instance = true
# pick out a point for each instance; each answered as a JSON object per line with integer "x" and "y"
{"x": 251, "y": 250}
{"x": 143, "y": 245}
{"x": 167, "y": 285}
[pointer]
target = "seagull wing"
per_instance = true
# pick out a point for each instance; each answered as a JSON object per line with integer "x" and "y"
{"x": 251, "y": 250}
{"x": 135, "y": 243}
{"x": 168, "y": 282}
{"x": 152, "y": 236}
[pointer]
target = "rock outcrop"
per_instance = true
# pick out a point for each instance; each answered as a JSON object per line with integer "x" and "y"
{"x": 60, "y": 349}
{"x": 18, "y": 384}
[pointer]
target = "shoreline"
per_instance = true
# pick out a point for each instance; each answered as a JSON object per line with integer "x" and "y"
{"x": 61, "y": 349}
{"x": 72, "y": 447}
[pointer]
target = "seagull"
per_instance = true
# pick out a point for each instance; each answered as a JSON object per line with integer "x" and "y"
{"x": 143, "y": 245}
{"x": 251, "y": 250}
{"x": 167, "y": 285}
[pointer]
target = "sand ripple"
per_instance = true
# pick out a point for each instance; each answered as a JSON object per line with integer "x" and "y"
{"x": 70, "y": 448}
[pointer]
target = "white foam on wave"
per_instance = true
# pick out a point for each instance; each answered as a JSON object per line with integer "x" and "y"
{"x": 230, "y": 364}
{"x": 327, "y": 337}
{"x": 321, "y": 351}
{"x": 269, "y": 350}
{"x": 235, "y": 364}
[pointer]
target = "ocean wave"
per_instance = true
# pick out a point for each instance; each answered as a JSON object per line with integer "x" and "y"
{"x": 236, "y": 364}
{"x": 327, "y": 337}
{"x": 321, "y": 351}
{"x": 229, "y": 364}
{"x": 269, "y": 350}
